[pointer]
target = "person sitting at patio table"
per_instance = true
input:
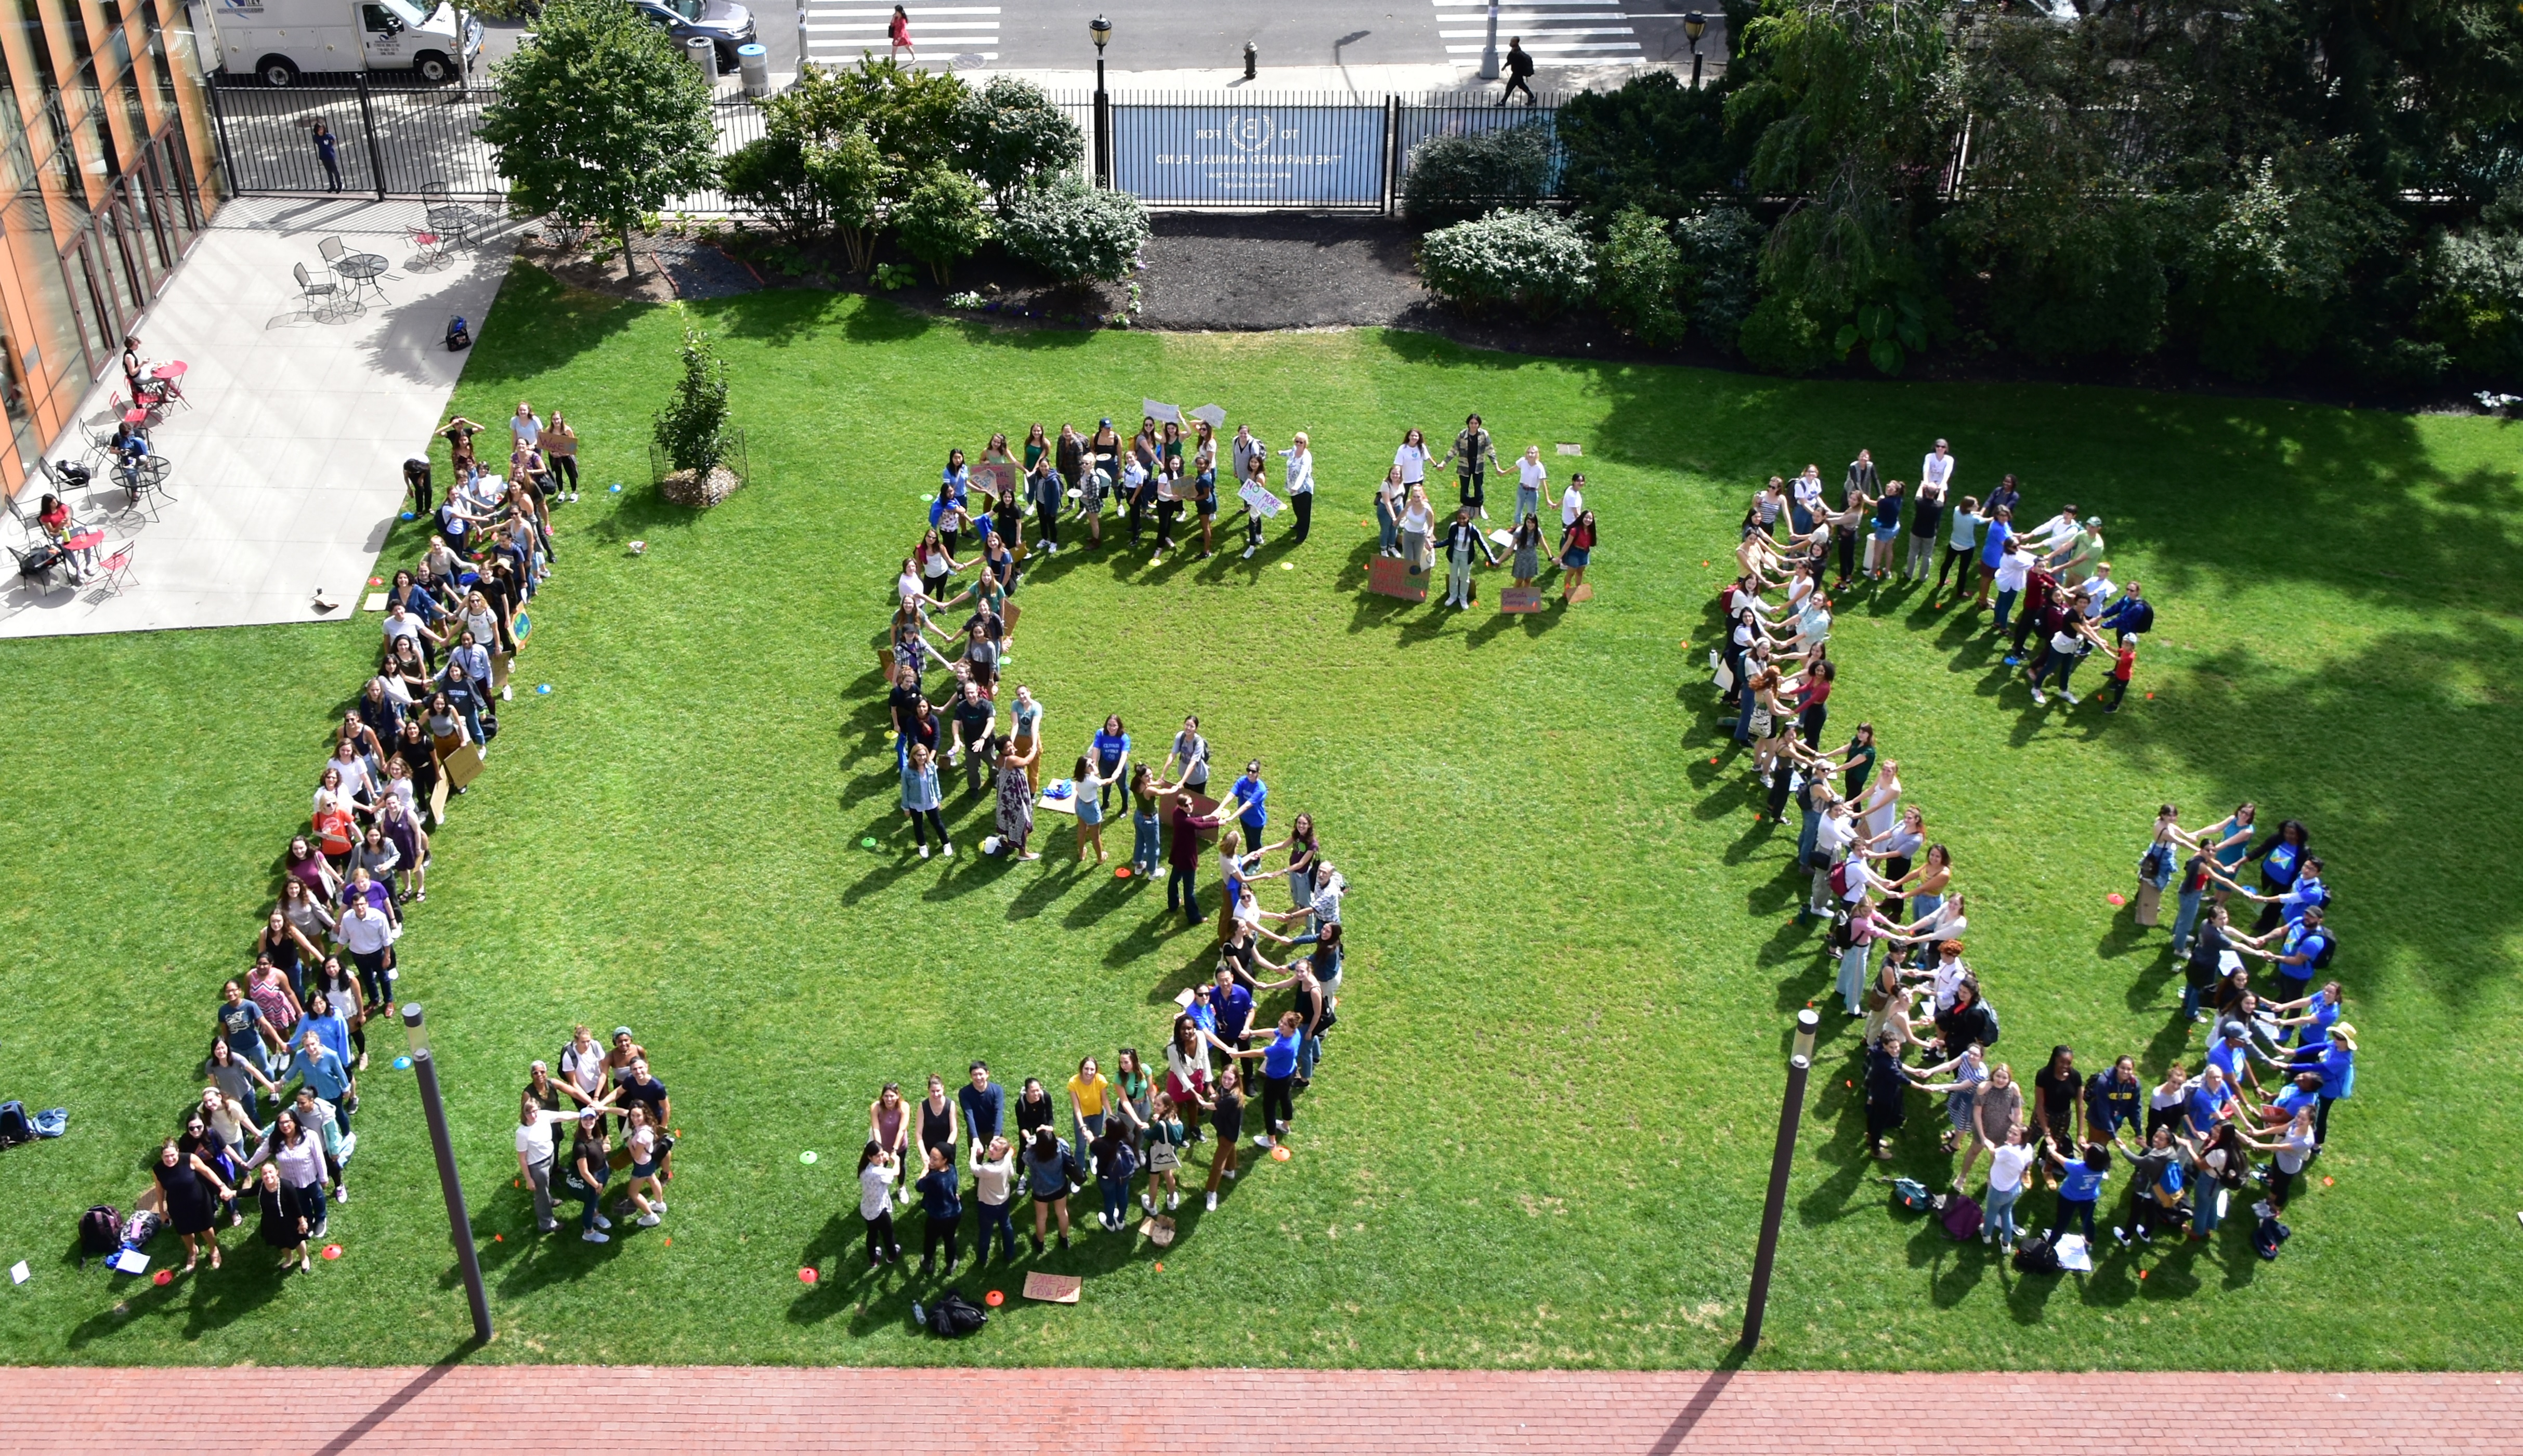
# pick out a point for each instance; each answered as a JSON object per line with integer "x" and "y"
{"x": 59, "y": 528}
{"x": 130, "y": 446}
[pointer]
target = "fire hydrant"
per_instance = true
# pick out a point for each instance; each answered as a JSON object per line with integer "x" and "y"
{"x": 1251, "y": 58}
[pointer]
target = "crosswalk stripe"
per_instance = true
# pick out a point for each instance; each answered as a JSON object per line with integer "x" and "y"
{"x": 1620, "y": 45}
{"x": 1544, "y": 34}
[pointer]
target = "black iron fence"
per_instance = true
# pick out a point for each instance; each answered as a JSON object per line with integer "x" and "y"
{"x": 393, "y": 141}
{"x": 1329, "y": 152}
{"x": 1326, "y": 152}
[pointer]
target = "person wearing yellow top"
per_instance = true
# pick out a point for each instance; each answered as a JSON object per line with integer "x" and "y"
{"x": 1086, "y": 1093}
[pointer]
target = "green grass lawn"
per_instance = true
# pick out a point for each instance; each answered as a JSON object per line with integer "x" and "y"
{"x": 1543, "y": 1129}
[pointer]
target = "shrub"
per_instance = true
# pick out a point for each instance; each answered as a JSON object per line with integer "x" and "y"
{"x": 2474, "y": 309}
{"x": 1076, "y": 232}
{"x": 1721, "y": 250}
{"x": 766, "y": 177}
{"x": 1456, "y": 178}
{"x": 692, "y": 427}
{"x": 1654, "y": 144}
{"x": 1014, "y": 138}
{"x": 1641, "y": 271}
{"x": 1781, "y": 337}
{"x": 940, "y": 221}
{"x": 1534, "y": 259}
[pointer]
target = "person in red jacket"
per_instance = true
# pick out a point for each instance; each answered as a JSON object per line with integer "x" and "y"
{"x": 1182, "y": 856}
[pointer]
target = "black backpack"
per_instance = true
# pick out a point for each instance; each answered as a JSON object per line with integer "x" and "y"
{"x": 459, "y": 337}
{"x": 100, "y": 1233}
{"x": 2329, "y": 947}
{"x": 2269, "y": 1236}
{"x": 13, "y": 1126}
{"x": 954, "y": 1316}
{"x": 2036, "y": 1255}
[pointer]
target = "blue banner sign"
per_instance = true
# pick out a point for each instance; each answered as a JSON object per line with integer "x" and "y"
{"x": 1317, "y": 156}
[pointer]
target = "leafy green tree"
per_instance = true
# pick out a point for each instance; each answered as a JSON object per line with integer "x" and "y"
{"x": 941, "y": 221}
{"x": 1013, "y": 138}
{"x": 1457, "y": 179}
{"x": 599, "y": 119}
{"x": 692, "y": 427}
{"x": 854, "y": 181}
{"x": 1853, "y": 106}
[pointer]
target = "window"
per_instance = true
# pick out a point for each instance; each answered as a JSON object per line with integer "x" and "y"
{"x": 378, "y": 20}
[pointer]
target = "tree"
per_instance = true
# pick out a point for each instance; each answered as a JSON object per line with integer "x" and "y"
{"x": 1457, "y": 179}
{"x": 1654, "y": 143}
{"x": 1076, "y": 232}
{"x": 1641, "y": 271}
{"x": 1014, "y": 138}
{"x": 940, "y": 223}
{"x": 1853, "y": 107}
{"x": 599, "y": 119}
{"x": 692, "y": 427}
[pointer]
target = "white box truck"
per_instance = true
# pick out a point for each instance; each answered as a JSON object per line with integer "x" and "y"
{"x": 279, "y": 40}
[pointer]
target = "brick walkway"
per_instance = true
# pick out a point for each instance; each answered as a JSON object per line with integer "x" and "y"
{"x": 522, "y": 1409}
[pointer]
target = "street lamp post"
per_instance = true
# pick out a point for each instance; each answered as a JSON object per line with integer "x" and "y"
{"x": 1489, "y": 47}
{"x": 424, "y": 1069}
{"x": 1102, "y": 29}
{"x": 1781, "y": 1159}
{"x": 1695, "y": 25}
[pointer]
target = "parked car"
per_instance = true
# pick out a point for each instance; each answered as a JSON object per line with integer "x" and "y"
{"x": 724, "y": 24}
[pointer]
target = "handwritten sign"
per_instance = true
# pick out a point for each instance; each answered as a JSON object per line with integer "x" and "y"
{"x": 1389, "y": 576}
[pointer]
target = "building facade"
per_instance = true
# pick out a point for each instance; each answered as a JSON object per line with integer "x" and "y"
{"x": 111, "y": 165}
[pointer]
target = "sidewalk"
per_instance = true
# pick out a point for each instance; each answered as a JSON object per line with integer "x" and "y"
{"x": 1369, "y": 82}
{"x": 288, "y": 467}
{"x": 539, "y": 1409}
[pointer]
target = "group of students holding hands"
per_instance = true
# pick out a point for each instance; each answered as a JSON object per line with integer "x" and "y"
{"x": 2277, "y": 1056}
{"x": 2056, "y": 602}
{"x": 1138, "y": 1121}
{"x": 273, "y": 1125}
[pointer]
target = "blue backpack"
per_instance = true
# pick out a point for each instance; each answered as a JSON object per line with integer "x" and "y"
{"x": 13, "y": 1126}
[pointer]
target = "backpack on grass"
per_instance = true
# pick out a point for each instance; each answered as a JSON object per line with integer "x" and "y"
{"x": 2036, "y": 1255}
{"x": 2270, "y": 1233}
{"x": 1962, "y": 1217}
{"x": 955, "y": 1315}
{"x": 100, "y": 1233}
{"x": 1910, "y": 1196}
{"x": 13, "y": 1126}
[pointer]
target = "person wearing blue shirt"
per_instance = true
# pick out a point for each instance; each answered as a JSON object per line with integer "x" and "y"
{"x": 2305, "y": 949}
{"x": 984, "y": 1103}
{"x": 2211, "y": 1102}
{"x": 2335, "y": 1059}
{"x": 1279, "y": 1078}
{"x": 2307, "y": 893}
{"x": 331, "y": 1026}
{"x": 1112, "y": 750}
{"x": 1992, "y": 547}
{"x": 2231, "y": 1051}
{"x": 1251, "y": 798}
{"x": 327, "y": 1075}
{"x": 942, "y": 1198}
{"x": 2080, "y": 1187}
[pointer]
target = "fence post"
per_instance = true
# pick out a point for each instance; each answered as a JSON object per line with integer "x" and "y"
{"x": 368, "y": 125}
{"x": 1391, "y": 155}
{"x": 219, "y": 119}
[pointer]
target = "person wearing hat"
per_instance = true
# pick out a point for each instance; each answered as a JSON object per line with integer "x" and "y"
{"x": 590, "y": 1155}
{"x": 617, "y": 1061}
{"x": 2335, "y": 1059}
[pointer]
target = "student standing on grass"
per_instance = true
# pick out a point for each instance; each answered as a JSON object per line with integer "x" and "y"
{"x": 1418, "y": 524}
{"x": 1926, "y": 514}
{"x": 2080, "y": 1187}
{"x": 1462, "y": 538}
{"x": 1228, "y": 1119}
{"x": 284, "y": 1224}
{"x": 920, "y": 800}
{"x": 1575, "y": 548}
{"x": 1182, "y": 859}
{"x": 641, "y": 1136}
{"x": 1164, "y": 1141}
{"x": 994, "y": 1171}
{"x": 1300, "y": 478}
{"x": 1088, "y": 799}
{"x": 2292, "y": 1150}
{"x": 938, "y": 1121}
{"x": 877, "y": 1170}
{"x": 1013, "y": 816}
{"x": 1887, "y": 1083}
{"x": 191, "y": 1207}
{"x": 2010, "y": 1164}
{"x": 1047, "y": 1161}
{"x": 942, "y": 1200}
{"x": 1390, "y": 496}
{"x": 1474, "y": 456}
{"x": 1962, "y": 546}
{"x": 534, "y": 1153}
{"x": 1088, "y": 1092}
{"x": 890, "y": 1128}
{"x": 1110, "y": 749}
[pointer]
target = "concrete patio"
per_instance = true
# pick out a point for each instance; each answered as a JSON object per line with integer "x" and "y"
{"x": 287, "y": 470}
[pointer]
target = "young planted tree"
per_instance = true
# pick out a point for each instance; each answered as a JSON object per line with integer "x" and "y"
{"x": 1016, "y": 139}
{"x": 599, "y": 119}
{"x": 941, "y": 222}
{"x": 692, "y": 427}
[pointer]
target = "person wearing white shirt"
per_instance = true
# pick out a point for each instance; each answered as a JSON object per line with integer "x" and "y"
{"x": 1299, "y": 481}
{"x": 1411, "y": 459}
{"x": 2007, "y": 1166}
{"x": 1807, "y": 493}
{"x": 535, "y": 1153}
{"x": 524, "y": 428}
{"x": 1937, "y": 469}
{"x": 1532, "y": 478}
{"x": 2052, "y": 534}
{"x": 1572, "y": 505}
{"x": 1836, "y": 829}
{"x": 366, "y": 934}
{"x": 2011, "y": 569}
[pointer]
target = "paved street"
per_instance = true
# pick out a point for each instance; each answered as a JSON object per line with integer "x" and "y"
{"x": 1177, "y": 37}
